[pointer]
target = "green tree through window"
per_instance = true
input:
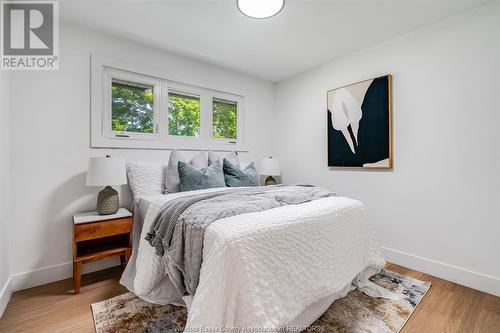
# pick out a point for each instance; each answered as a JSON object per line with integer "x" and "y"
{"x": 183, "y": 114}
{"x": 224, "y": 119}
{"x": 132, "y": 107}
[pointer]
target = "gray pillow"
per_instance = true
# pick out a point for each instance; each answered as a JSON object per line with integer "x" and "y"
{"x": 234, "y": 177}
{"x": 231, "y": 157}
{"x": 172, "y": 182}
{"x": 193, "y": 179}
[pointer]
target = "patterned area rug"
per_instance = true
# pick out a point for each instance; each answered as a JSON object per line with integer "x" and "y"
{"x": 355, "y": 313}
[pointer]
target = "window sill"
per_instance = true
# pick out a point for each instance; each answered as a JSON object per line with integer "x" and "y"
{"x": 127, "y": 143}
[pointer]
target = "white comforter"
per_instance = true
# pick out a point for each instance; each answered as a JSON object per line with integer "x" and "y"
{"x": 261, "y": 270}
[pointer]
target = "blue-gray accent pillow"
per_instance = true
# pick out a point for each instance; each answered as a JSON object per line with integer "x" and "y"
{"x": 235, "y": 177}
{"x": 192, "y": 178}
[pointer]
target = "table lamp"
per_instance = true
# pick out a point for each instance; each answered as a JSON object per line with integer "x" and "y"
{"x": 270, "y": 167}
{"x": 106, "y": 171}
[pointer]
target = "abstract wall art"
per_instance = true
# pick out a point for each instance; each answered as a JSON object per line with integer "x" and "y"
{"x": 360, "y": 124}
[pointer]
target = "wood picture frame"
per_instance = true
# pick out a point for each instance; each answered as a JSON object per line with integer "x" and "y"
{"x": 359, "y": 125}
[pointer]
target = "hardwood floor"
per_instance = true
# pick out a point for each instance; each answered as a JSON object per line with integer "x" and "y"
{"x": 53, "y": 308}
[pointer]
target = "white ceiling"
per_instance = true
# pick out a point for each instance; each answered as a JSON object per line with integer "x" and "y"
{"x": 305, "y": 34}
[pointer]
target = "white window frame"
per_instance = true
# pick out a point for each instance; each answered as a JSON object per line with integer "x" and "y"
{"x": 104, "y": 70}
{"x": 109, "y": 75}
{"x": 239, "y": 118}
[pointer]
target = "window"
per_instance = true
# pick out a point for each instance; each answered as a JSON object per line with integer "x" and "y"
{"x": 224, "y": 119}
{"x": 135, "y": 108}
{"x": 131, "y": 107}
{"x": 184, "y": 113}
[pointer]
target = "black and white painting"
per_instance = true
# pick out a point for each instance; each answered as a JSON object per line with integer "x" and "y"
{"x": 359, "y": 124}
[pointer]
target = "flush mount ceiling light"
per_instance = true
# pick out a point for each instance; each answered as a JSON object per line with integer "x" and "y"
{"x": 260, "y": 9}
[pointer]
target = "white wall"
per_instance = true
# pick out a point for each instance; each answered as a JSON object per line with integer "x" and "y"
{"x": 439, "y": 206}
{"x": 4, "y": 187}
{"x": 50, "y": 143}
{"x": 435, "y": 207}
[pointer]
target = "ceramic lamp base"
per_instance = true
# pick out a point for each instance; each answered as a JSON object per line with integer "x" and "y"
{"x": 107, "y": 201}
{"x": 270, "y": 181}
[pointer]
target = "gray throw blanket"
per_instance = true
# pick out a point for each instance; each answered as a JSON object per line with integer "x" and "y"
{"x": 179, "y": 228}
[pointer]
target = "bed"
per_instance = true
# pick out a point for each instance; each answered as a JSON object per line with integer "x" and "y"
{"x": 270, "y": 269}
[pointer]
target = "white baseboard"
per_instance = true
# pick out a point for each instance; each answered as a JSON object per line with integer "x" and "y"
{"x": 48, "y": 274}
{"x": 44, "y": 275}
{"x": 5, "y": 294}
{"x": 486, "y": 283}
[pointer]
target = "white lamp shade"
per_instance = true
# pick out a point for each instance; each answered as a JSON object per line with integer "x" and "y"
{"x": 105, "y": 171}
{"x": 270, "y": 167}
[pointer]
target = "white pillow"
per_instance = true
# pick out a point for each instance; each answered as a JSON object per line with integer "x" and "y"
{"x": 172, "y": 181}
{"x": 232, "y": 157}
{"x": 146, "y": 178}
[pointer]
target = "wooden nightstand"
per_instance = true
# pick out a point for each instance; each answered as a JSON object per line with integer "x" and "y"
{"x": 97, "y": 237}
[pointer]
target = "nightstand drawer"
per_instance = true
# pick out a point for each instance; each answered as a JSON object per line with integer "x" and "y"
{"x": 96, "y": 230}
